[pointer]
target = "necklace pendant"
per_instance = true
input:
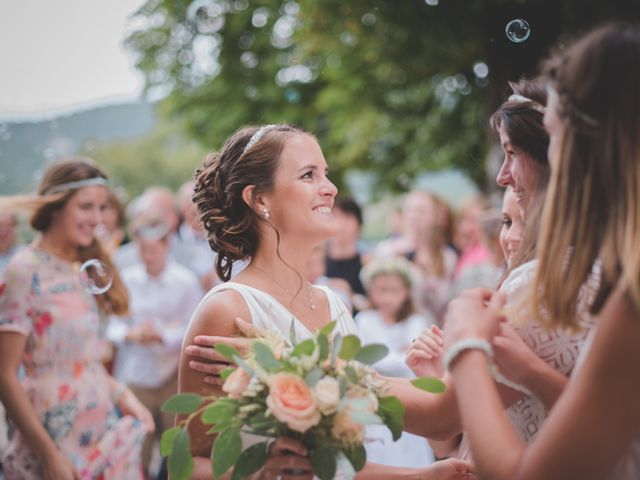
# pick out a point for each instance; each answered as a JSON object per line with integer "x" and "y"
{"x": 313, "y": 307}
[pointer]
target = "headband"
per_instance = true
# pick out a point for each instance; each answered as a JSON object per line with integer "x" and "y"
{"x": 522, "y": 99}
{"x": 87, "y": 182}
{"x": 255, "y": 138}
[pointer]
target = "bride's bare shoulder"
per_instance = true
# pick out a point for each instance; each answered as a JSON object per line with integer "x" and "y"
{"x": 218, "y": 312}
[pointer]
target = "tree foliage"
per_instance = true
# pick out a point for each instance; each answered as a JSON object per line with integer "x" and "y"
{"x": 397, "y": 87}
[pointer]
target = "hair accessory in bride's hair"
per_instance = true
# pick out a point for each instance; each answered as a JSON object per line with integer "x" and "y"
{"x": 522, "y": 99}
{"x": 255, "y": 138}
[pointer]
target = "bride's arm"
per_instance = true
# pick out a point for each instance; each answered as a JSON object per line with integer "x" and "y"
{"x": 215, "y": 317}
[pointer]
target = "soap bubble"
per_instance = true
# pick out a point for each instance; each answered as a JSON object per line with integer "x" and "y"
{"x": 518, "y": 30}
{"x": 95, "y": 276}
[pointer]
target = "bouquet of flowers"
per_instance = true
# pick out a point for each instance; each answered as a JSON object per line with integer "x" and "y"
{"x": 320, "y": 391}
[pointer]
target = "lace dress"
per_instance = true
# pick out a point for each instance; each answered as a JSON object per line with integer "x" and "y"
{"x": 41, "y": 298}
{"x": 558, "y": 348}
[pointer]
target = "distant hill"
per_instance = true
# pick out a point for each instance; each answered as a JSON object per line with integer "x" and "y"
{"x": 26, "y": 147}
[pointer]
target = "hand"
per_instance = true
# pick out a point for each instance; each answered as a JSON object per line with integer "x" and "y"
{"x": 130, "y": 405}
{"x": 475, "y": 313}
{"x": 59, "y": 467}
{"x": 288, "y": 460}
{"x": 214, "y": 362}
{"x": 513, "y": 357}
{"x": 424, "y": 356}
{"x": 144, "y": 334}
{"x": 449, "y": 469}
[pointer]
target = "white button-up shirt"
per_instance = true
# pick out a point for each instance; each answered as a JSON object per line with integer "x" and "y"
{"x": 167, "y": 301}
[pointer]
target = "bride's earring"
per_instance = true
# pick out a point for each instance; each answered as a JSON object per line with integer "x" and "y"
{"x": 266, "y": 214}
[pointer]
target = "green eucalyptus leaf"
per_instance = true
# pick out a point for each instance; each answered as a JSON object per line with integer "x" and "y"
{"x": 242, "y": 364}
{"x": 350, "y": 347}
{"x": 323, "y": 345}
{"x": 221, "y": 410}
{"x": 226, "y": 450}
{"x": 180, "y": 463}
{"x": 251, "y": 460}
{"x": 429, "y": 384}
{"x": 182, "y": 403}
{"x": 351, "y": 374}
{"x": 328, "y": 328}
{"x": 166, "y": 441}
{"x": 392, "y": 412}
{"x": 306, "y": 347}
{"x": 370, "y": 354}
{"x": 323, "y": 461}
{"x": 227, "y": 351}
{"x": 224, "y": 374}
{"x": 342, "y": 384}
{"x": 365, "y": 418}
{"x": 314, "y": 377}
{"x": 335, "y": 348}
{"x": 357, "y": 455}
{"x": 265, "y": 357}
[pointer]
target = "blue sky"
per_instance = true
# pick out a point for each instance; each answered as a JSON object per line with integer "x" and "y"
{"x": 61, "y": 55}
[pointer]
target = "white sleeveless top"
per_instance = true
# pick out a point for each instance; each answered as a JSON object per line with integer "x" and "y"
{"x": 270, "y": 315}
{"x": 559, "y": 348}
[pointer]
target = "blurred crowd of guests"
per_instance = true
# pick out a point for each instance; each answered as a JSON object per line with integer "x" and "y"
{"x": 395, "y": 287}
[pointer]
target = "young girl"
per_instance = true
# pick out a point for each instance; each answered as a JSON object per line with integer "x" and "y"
{"x": 392, "y": 321}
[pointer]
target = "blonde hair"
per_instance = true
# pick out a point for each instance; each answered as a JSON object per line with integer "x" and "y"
{"x": 595, "y": 186}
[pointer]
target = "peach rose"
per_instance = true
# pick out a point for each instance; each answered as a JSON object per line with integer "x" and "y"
{"x": 291, "y": 401}
{"x": 236, "y": 383}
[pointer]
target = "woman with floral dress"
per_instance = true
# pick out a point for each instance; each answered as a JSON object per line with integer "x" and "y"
{"x": 71, "y": 419}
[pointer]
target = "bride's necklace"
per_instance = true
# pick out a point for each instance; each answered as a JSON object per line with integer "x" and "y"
{"x": 310, "y": 304}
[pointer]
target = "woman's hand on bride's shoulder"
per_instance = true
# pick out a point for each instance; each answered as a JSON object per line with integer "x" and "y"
{"x": 424, "y": 356}
{"x": 208, "y": 360}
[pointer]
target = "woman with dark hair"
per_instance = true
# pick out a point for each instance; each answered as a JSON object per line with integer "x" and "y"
{"x": 593, "y": 261}
{"x": 65, "y": 410}
{"x": 533, "y": 362}
{"x": 266, "y": 196}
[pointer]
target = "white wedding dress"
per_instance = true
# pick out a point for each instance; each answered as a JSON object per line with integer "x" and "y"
{"x": 269, "y": 314}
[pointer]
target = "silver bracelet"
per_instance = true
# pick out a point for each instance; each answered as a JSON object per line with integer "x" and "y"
{"x": 476, "y": 343}
{"x": 118, "y": 392}
{"x": 469, "y": 343}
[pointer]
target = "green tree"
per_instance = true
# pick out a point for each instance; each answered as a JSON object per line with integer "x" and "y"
{"x": 397, "y": 87}
{"x": 164, "y": 157}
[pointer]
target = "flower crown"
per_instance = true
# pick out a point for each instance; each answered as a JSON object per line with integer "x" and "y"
{"x": 389, "y": 265}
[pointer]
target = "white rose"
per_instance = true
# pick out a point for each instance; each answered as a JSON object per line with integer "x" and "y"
{"x": 327, "y": 393}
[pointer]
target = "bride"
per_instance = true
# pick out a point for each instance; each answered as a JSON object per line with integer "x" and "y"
{"x": 266, "y": 196}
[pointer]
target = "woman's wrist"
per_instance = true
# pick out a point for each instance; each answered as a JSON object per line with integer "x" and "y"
{"x": 464, "y": 345}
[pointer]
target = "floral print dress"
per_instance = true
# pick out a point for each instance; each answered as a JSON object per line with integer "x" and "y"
{"x": 42, "y": 298}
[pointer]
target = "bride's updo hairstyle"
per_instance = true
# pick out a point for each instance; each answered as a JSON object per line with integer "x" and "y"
{"x": 249, "y": 157}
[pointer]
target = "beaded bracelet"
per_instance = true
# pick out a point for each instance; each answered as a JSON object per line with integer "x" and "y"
{"x": 470, "y": 343}
{"x": 476, "y": 343}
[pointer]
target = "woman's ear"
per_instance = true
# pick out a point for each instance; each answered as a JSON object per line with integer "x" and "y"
{"x": 256, "y": 201}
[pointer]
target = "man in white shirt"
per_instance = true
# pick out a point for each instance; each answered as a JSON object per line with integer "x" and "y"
{"x": 162, "y": 297}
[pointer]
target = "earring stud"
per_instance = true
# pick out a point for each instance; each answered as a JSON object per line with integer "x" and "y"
{"x": 266, "y": 214}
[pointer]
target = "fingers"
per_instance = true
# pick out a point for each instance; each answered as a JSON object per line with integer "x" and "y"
{"x": 248, "y": 329}
{"x": 285, "y": 444}
{"x": 206, "y": 353}
{"x": 208, "y": 368}
{"x": 241, "y": 344}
